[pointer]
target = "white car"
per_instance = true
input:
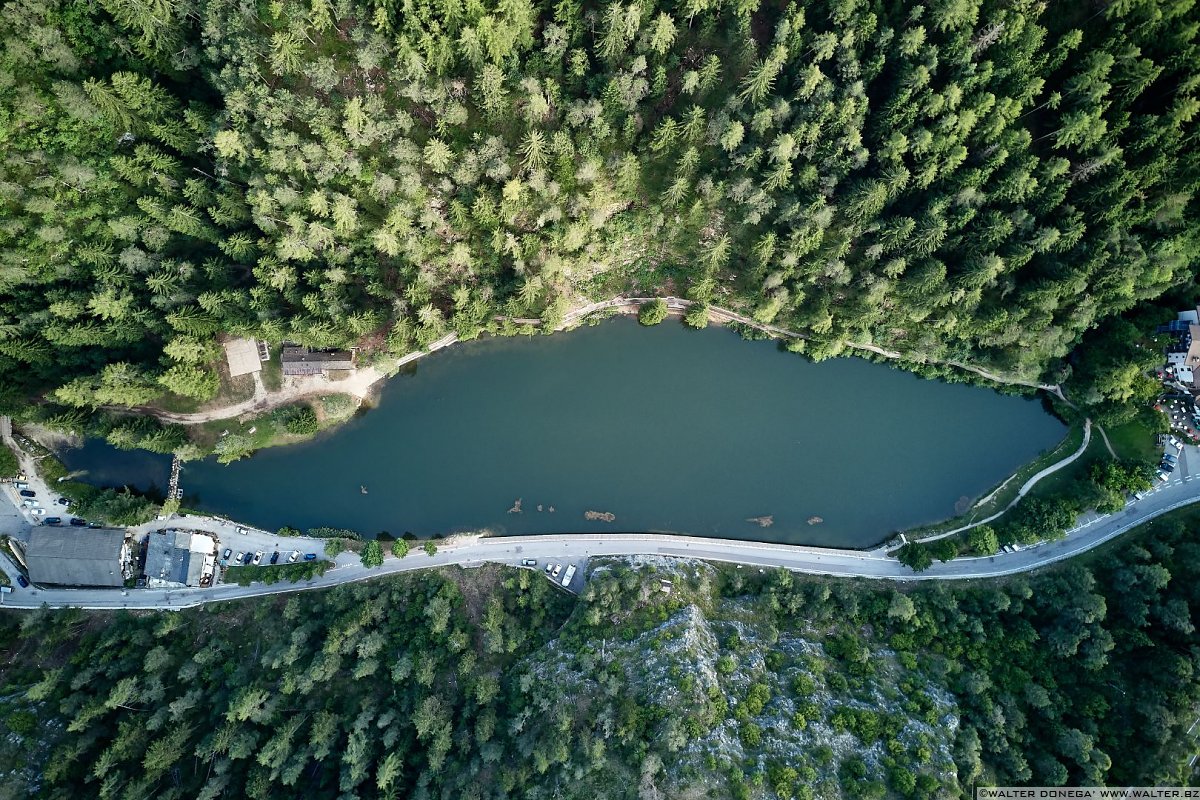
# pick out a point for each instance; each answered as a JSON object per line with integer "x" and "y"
{"x": 242, "y": 530}
{"x": 238, "y": 558}
{"x": 557, "y": 569}
{"x": 295, "y": 555}
{"x": 37, "y": 512}
{"x": 257, "y": 558}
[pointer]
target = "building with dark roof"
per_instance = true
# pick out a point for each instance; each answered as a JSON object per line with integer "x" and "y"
{"x": 179, "y": 558}
{"x": 302, "y": 361}
{"x": 77, "y": 557}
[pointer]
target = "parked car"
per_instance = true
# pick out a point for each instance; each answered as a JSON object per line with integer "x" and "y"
{"x": 53, "y": 520}
{"x": 238, "y": 558}
{"x": 1163, "y": 476}
{"x": 78, "y": 523}
{"x": 528, "y": 562}
{"x": 549, "y": 567}
{"x": 310, "y": 556}
{"x": 241, "y": 530}
{"x": 257, "y": 558}
{"x": 28, "y": 503}
{"x": 557, "y": 569}
{"x": 1173, "y": 459}
{"x": 95, "y": 525}
{"x": 28, "y": 493}
{"x": 62, "y": 501}
{"x": 23, "y": 581}
{"x": 226, "y": 554}
{"x": 275, "y": 557}
{"x": 37, "y": 512}
{"x": 21, "y": 485}
{"x": 294, "y": 556}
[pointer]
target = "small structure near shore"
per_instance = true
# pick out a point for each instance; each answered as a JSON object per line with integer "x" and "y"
{"x": 303, "y": 361}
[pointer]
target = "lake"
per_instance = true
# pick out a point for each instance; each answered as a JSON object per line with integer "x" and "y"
{"x": 666, "y": 428}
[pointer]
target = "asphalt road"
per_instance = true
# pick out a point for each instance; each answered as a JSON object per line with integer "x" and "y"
{"x": 1183, "y": 489}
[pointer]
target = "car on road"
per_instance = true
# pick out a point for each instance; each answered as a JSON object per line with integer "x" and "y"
{"x": 53, "y": 520}
{"x": 28, "y": 493}
{"x": 310, "y": 556}
{"x": 239, "y": 557}
{"x": 257, "y": 558}
{"x": 23, "y": 581}
{"x": 528, "y": 562}
{"x": 275, "y": 557}
{"x": 294, "y": 556}
{"x": 557, "y": 569}
{"x": 78, "y": 523}
{"x": 226, "y": 554}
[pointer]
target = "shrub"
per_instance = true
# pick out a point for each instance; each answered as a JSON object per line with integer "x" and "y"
{"x": 400, "y": 548}
{"x": 653, "y": 312}
{"x": 372, "y": 554}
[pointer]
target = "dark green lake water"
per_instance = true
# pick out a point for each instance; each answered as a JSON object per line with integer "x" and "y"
{"x": 670, "y": 429}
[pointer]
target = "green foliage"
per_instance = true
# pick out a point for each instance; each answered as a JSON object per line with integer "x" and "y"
{"x": 916, "y": 556}
{"x": 8, "y": 462}
{"x": 372, "y": 554}
{"x": 982, "y": 540}
{"x": 276, "y": 573}
{"x": 430, "y": 548}
{"x": 329, "y": 533}
{"x": 333, "y": 547}
{"x": 653, "y": 312}
{"x": 298, "y": 420}
{"x": 400, "y": 548}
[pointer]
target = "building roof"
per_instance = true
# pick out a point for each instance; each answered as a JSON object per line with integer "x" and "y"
{"x": 75, "y": 556}
{"x": 178, "y": 557}
{"x": 242, "y": 355}
{"x": 302, "y": 361}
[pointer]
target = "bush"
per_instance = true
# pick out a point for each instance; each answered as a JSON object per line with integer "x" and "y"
{"x": 697, "y": 316}
{"x": 372, "y": 554}
{"x": 400, "y": 548}
{"x": 8, "y": 462}
{"x": 292, "y": 573}
{"x": 300, "y": 420}
{"x": 653, "y": 312}
{"x": 430, "y": 549}
{"x": 915, "y": 556}
{"x": 334, "y": 546}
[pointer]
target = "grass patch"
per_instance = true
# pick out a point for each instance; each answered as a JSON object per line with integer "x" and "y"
{"x": 1136, "y": 439}
{"x": 272, "y": 371}
{"x": 290, "y": 573}
{"x": 9, "y": 466}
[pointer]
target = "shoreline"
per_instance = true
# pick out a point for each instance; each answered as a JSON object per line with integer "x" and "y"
{"x": 364, "y": 383}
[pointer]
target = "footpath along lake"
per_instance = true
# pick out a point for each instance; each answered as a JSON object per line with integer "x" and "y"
{"x": 666, "y": 428}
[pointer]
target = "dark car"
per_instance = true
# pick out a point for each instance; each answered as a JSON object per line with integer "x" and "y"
{"x": 62, "y": 501}
{"x": 95, "y": 525}
{"x": 226, "y": 554}
{"x": 310, "y": 556}
{"x": 53, "y": 520}
{"x": 246, "y": 559}
{"x": 78, "y": 523}
{"x": 275, "y": 557}
{"x": 21, "y": 579}
{"x": 28, "y": 493}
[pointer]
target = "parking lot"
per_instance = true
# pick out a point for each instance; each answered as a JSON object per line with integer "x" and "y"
{"x": 558, "y": 570}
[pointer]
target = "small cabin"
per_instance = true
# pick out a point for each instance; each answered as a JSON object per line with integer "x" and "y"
{"x": 303, "y": 361}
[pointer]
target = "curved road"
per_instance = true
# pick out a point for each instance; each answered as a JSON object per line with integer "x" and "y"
{"x": 1092, "y": 530}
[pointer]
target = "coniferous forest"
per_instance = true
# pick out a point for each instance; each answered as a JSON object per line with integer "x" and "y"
{"x": 962, "y": 179}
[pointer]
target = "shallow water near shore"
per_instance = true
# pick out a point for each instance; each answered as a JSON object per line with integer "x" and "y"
{"x": 663, "y": 429}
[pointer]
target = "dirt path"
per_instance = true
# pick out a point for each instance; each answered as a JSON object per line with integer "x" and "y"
{"x": 361, "y": 382}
